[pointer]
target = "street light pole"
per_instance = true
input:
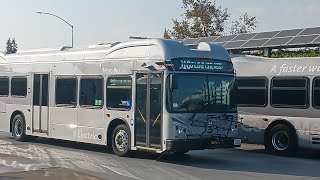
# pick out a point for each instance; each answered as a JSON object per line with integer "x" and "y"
{"x": 39, "y": 12}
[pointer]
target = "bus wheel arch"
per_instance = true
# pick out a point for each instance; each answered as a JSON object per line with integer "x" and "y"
{"x": 119, "y": 137}
{"x": 279, "y": 128}
{"x": 112, "y": 125}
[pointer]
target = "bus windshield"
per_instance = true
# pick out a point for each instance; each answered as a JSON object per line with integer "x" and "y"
{"x": 199, "y": 93}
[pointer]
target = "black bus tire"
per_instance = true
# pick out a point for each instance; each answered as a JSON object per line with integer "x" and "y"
{"x": 281, "y": 140}
{"x": 19, "y": 128}
{"x": 121, "y": 140}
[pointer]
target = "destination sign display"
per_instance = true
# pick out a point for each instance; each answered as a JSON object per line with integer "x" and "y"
{"x": 119, "y": 81}
{"x": 207, "y": 65}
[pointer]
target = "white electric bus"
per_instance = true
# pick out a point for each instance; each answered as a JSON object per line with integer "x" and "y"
{"x": 153, "y": 94}
{"x": 279, "y": 102}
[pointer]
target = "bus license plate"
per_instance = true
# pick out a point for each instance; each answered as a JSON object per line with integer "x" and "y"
{"x": 237, "y": 142}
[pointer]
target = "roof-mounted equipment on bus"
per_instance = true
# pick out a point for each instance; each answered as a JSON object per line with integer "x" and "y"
{"x": 150, "y": 67}
{"x": 109, "y": 44}
{"x": 138, "y": 37}
{"x": 65, "y": 48}
{"x": 166, "y": 63}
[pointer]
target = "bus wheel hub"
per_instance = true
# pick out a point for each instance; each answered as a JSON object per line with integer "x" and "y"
{"x": 121, "y": 140}
{"x": 280, "y": 141}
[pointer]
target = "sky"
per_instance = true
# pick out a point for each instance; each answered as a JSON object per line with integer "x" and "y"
{"x": 101, "y": 21}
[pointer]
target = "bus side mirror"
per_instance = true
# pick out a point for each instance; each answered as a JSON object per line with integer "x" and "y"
{"x": 173, "y": 82}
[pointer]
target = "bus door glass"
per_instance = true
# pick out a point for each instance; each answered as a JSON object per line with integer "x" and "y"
{"x": 40, "y": 103}
{"x": 148, "y": 110}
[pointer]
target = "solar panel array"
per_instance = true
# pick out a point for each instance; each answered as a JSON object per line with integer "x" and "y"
{"x": 273, "y": 39}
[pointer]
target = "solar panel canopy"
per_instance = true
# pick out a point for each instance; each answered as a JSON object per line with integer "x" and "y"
{"x": 308, "y": 37}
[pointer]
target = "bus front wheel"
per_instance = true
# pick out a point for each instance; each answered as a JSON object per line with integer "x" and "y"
{"x": 121, "y": 140}
{"x": 18, "y": 128}
{"x": 281, "y": 140}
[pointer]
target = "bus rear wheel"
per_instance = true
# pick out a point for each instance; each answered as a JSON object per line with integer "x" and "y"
{"x": 121, "y": 140}
{"x": 281, "y": 140}
{"x": 18, "y": 128}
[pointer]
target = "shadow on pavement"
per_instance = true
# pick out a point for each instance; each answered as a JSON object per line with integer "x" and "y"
{"x": 252, "y": 160}
{"x": 301, "y": 153}
{"x": 48, "y": 174}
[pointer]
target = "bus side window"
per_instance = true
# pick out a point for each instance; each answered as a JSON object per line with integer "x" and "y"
{"x": 4, "y": 86}
{"x": 290, "y": 92}
{"x": 91, "y": 92}
{"x": 66, "y": 92}
{"x": 316, "y": 93}
{"x": 252, "y": 92}
{"x": 19, "y": 86}
{"x": 119, "y": 90}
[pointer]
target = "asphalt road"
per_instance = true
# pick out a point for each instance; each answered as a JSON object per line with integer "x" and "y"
{"x": 246, "y": 163}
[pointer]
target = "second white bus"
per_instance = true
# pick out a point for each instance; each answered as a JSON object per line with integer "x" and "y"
{"x": 279, "y": 102}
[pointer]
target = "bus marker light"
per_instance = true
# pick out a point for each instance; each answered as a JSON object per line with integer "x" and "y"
{"x": 213, "y": 142}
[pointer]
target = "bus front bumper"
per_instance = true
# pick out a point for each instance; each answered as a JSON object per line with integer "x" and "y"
{"x": 200, "y": 144}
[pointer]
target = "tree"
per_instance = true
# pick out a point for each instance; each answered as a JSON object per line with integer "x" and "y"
{"x": 166, "y": 34}
{"x": 245, "y": 24}
{"x": 201, "y": 18}
{"x": 8, "y": 48}
{"x": 12, "y": 46}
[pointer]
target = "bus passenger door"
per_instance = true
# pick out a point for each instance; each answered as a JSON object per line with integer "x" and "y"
{"x": 148, "y": 110}
{"x": 40, "y": 111}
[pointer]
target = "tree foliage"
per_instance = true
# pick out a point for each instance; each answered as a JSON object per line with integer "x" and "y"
{"x": 245, "y": 24}
{"x": 203, "y": 18}
{"x": 166, "y": 34}
{"x": 305, "y": 52}
{"x": 12, "y": 46}
{"x": 284, "y": 53}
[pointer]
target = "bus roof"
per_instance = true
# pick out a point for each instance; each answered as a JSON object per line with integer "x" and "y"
{"x": 247, "y": 65}
{"x": 160, "y": 49}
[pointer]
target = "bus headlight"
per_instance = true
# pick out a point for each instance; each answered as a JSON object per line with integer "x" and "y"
{"x": 180, "y": 127}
